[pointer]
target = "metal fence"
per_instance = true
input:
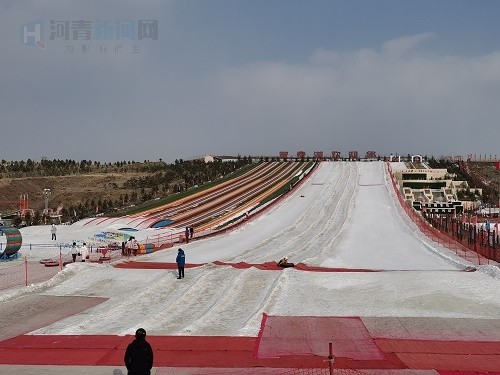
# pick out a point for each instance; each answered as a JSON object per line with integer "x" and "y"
{"x": 29, "y": 269}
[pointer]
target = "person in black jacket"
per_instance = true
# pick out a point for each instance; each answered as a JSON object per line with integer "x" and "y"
{"x": 139, "y": 355}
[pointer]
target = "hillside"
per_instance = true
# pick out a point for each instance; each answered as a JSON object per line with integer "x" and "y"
{"x": 85, "y": 189}
{"x": 65, "y": 190}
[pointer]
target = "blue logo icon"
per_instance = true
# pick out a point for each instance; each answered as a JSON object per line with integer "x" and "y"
{"x": 31, "y": 34}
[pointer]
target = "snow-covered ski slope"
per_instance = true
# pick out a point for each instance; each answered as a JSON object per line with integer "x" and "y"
{"x": 344, "y": 216}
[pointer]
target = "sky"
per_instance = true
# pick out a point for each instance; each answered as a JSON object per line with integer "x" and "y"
{"x": 229, "y": 77}
{"x": 322, "y": 223}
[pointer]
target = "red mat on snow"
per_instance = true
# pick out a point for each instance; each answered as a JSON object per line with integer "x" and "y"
{"x": 288, "y": 342}
{"x": 262, "y": 266}
{"x": 169, "y": 351}
{"x": 445, "y": 355}
{"x": 353, "y": 343}
{"x": 155, "y": 265}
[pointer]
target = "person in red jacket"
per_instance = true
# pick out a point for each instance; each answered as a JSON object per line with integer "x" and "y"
{"x": 139, "y": 355}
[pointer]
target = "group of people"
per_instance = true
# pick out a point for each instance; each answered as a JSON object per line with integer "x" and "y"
{"x": 130, "y": 247}
{"x": 139, "y": 354}
{"x": 82, "y": 251}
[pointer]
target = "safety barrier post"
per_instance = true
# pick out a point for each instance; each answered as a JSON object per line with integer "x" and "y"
{"x": 330, "y": 357}
{"x": 60, "y": 258}
{"x": 26, "y": 270}
{"x": 477, "y": 253}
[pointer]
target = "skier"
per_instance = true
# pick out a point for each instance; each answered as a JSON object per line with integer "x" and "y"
{"x": 181, "y": 261}
{"x": 139, "y": 355}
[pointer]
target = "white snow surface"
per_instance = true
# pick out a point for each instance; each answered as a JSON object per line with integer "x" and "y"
{"x": 345, "y": 215}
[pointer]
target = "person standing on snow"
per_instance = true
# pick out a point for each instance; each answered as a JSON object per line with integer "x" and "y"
{"x": 128, "y": 247}
{"x": 131, "y": 246}
{"x": 139, "y": 355}
{"x": 53, "y": 231}
{"x": 85, "y": 252}
{"x": 135, "y": 246}
{"x": 74, "y": 251}
{"x": 181, "y": 261}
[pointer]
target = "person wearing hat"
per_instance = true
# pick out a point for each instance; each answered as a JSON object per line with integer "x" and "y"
{"x": 181, "y": 261}
{"x": 139, "y": 355}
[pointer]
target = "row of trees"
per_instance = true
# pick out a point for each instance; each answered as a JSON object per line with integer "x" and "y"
{"x": 58, "y": 167}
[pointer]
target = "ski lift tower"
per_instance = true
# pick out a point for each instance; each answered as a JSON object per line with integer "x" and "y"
{"x": 46, "y": 195}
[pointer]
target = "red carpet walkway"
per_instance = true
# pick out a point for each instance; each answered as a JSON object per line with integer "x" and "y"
{"x": 289, "y": 342}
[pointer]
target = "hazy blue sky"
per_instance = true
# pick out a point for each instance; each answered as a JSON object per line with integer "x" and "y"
{"x": 249, "y": 77}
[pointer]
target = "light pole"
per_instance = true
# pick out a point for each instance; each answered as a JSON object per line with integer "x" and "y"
{"x": 46, "y": 195}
